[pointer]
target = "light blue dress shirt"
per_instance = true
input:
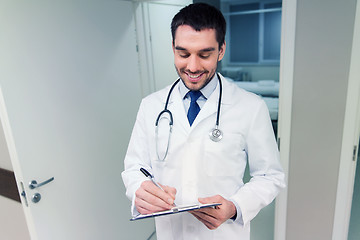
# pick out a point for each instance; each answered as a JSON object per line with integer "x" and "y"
{"x": 205, "y": 91}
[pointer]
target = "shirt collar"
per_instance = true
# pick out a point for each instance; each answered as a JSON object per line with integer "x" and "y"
{"x": 205, "y": 91}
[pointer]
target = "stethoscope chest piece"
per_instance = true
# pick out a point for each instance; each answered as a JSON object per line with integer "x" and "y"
{"x": 216, "y": 134}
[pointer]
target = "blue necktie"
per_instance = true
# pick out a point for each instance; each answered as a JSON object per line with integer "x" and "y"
{"x": 194, "y": 107}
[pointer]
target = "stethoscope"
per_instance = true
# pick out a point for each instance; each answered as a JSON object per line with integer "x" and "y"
{"x": 215, "y": 134}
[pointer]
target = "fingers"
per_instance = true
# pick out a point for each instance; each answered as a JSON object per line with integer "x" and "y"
{"x": 145, "y": 207}
{"x": 209, "y": 217}
{"x": 149, "y": 198}
{"x": 212, "y": 218}
{"x": 170, "y": 190}
{"x": 158, "y": 193}
{"x": 212, "y": 199}
{"x": 209, "y": 221}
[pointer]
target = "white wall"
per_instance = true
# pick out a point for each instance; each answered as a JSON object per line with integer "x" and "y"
{"x": 323, "y": 41}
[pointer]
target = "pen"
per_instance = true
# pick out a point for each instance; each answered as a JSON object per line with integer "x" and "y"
{"x": 151, "y": 177}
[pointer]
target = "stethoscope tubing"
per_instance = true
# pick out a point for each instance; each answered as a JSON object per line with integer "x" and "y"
{"x": 166, "y": 105}
{"x": 219, "y": 103}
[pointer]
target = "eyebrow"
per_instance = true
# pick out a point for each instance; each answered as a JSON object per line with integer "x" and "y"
{"x": 210, "y": 49}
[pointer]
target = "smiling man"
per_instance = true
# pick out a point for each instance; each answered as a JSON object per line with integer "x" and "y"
{"x": 196, "y": 55}
{"x": 197, "y": 136}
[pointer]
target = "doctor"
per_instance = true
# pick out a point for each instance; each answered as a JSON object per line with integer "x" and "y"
{"x": 191, "y": 162}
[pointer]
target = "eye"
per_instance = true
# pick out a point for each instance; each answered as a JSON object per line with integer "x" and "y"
{"x": 204, "y": 56}
{"x": 184, "y": 55}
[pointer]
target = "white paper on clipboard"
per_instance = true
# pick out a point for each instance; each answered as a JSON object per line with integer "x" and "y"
{"x": 174, "y": 210}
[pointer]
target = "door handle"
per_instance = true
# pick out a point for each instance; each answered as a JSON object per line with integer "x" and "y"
{"x": 33, "y": 184}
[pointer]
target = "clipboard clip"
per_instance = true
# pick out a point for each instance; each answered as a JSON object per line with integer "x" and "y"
{"x": 177, "y": 209}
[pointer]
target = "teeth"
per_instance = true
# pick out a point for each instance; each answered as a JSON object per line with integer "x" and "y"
{"x": 194, "y": 76}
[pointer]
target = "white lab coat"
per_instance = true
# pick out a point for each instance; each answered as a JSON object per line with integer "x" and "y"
{"x": 198, "y": 167}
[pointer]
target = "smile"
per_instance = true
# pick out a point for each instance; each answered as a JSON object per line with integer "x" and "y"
{"x": 194, "y": 76}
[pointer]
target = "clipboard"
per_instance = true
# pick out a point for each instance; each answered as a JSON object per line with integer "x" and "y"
{"x": 174, "y": 210}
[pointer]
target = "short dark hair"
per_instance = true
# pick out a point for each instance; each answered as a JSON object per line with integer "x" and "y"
{"x": 200, "y": 16}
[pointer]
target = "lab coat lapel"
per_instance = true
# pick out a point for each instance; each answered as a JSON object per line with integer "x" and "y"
{"x": 209, "y": 108}
{"x": 211, "y": 105}
{"x": 176, "y": 106}
{"x": 227, "y": 92}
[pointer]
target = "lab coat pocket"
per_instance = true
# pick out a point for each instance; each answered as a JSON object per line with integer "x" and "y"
{"x": 226, "y": 157}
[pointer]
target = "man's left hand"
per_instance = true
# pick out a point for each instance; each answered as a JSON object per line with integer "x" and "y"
{"x": 212, "y": 218}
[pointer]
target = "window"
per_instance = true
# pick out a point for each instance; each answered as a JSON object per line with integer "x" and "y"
{"x": 253, "y": 34}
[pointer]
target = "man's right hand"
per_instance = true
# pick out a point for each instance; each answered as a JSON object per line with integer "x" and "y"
{"x": 149, "y": 198}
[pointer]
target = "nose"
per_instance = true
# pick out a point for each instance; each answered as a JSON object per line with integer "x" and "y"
{"x": 193, "y": 64}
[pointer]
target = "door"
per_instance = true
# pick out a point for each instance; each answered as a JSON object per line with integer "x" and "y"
{"x": 347, "y": 207}
{"x": 354, "y": 231}
{"x": 70, "y": 91}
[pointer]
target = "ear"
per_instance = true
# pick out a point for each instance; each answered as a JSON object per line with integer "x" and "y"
{"x": 222, "y": 52}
